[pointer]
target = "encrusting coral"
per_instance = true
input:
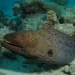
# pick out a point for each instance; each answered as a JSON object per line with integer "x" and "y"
{"x": 66, "y": 28}
{"x": 39, "y": 21}
{"x": 17, "y": 8}
{"x": 11, "y": 23}
{"x": 6, "y": 20}
{"x": 34, "y": 7}
{"x": 32, "y": 22}
{"x": 3, "y": 31}
{"x": 52, "y": 18}
{"x": 70, "y": 17}
{"x": 29, "y": 1}
{"x": 29, "y": 7}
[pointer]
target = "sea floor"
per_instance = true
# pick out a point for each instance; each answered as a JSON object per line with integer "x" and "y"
{"x": 19, "y": 66}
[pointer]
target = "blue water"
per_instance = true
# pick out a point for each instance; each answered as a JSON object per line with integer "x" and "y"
{"x": 71, "y": 3}
{"x": 7, "y": 5}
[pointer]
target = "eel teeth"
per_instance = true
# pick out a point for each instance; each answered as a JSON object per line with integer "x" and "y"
{"x": 7, "y": 41}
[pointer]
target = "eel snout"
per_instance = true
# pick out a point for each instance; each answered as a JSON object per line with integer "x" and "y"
{"x": 20, "y": 43}
{"x": 10, "y": 43}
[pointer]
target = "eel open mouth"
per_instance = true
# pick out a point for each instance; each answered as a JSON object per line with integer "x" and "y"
{"x": 17, "y": 49}
{"x": 14, "y": 47}
{"x": 13, "y": 43}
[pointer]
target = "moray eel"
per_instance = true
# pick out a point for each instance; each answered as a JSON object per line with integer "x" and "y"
{"x": 43, "y": 46}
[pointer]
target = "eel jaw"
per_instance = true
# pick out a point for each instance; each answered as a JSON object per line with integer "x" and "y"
{"x": 13, "y": 46}
{"x": 8, "y": 43}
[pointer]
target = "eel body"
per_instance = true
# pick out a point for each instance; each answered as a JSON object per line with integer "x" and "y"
{"x": 44, "y": 46}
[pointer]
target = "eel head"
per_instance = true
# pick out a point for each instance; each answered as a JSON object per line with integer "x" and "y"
{"x": 48, "y": 46}
{"x": 21, "y": 42}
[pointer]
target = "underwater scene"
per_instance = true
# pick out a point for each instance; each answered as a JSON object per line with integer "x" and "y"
{"x": 37, "y": 37}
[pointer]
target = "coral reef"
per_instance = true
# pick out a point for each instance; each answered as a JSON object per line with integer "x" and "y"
{"x": 32, "y": 22}
{"x": 3, "y": 31}
{"x": 69, "y": 69}
{"x": 17, "y": 8}
{"x": 6, "y": 20}
{"x": 16, "y": 11}
{"x": 39, "y": 21}
{"x": 42, "y": 21}
{"x": 11, "y": 23}
{"x": 34, "y": 7}
{"x": 29, "y": 1}
{"x": 61, "y": 2}
{"x": 72, "y": 67}
{"x": 70, "y": 17}
{"x": 52, "y": 18}
{"x": 66, "y": 28}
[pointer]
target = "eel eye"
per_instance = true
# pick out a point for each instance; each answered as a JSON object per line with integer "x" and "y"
{"x": 50, "y": 53}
